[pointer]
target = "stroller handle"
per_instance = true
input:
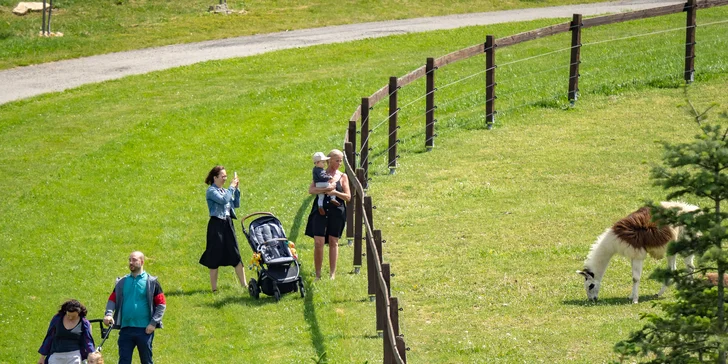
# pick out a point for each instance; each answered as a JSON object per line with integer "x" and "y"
{"x": 262, "y": 213}
{"x": 104, "y": 332}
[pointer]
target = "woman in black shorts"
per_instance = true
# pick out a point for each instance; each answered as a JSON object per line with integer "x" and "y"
{"x": 332, "y": 224}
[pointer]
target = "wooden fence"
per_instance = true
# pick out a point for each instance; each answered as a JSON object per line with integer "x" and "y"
{"x": 360, "y": 225}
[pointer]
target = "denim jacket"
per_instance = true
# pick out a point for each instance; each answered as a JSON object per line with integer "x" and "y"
{"x": 219, "y": 201}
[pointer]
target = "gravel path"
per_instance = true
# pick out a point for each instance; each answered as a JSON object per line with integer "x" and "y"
{"x": 22, "y": 82}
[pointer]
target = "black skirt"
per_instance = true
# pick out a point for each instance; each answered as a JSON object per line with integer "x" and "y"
{"x": 330, "y": 225}
{"x": 222, "y": 244}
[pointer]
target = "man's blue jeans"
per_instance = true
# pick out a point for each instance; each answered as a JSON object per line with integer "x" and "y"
{"x": 131, "y": 337}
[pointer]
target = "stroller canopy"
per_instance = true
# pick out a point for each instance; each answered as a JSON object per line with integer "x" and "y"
{"x": 268, "y": 238}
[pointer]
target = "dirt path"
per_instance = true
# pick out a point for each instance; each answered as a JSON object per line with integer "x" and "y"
{"x": 22, "y": 82}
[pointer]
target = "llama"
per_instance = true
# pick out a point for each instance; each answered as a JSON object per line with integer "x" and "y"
{"x": 633, "y": 237}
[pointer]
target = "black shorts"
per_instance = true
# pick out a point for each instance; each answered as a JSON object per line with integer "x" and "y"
{"x": 332, "y": 224}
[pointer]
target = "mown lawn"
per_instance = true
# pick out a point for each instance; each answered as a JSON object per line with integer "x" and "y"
{"x": 96, "y": 27}
{"x": 484, "y": 233}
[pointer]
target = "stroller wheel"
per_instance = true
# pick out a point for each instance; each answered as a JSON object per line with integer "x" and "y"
{"x": 277, "y": 293}
{"x": 301, "y": 289}
{"x": 253, "y": 289}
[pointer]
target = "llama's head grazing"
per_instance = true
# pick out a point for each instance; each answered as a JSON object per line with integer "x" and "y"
{"x": 590, "y": 284}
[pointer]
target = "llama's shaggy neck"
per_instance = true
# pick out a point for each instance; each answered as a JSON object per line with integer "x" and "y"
{"x": 601, "y": 253}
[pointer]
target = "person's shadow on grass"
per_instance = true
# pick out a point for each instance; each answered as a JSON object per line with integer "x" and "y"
{"x": 191, "y": 292}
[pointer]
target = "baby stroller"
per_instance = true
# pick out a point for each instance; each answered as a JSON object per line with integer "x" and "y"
{"x": 104, "y": 332}
{"x": 275, "y": 261}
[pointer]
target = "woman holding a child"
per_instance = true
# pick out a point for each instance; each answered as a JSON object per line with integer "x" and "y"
{"x": 332, "y": 223}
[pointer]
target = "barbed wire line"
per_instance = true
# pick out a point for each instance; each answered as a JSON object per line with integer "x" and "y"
{"x": 542, "y": 71}
{"x": 449, "y": 102}
{"x": 586, "y": 59}
{"x": 455, "y": 117}
{"x": 635, "y": 36}
{"x": 417, "y": 99}
{"x": 365, "y": 141}
{"x": 465, "y": 78}
{"x": 406, "y": 139}
{"x": 586, "y": 63}
{"x": 710, "y": 42}
{"x": 594, "y": 68}
{"x": 386, "y": 119}
{"x": 537, "y": 56}
{"x": 622, "y": 84}
{"x": 600, "y": 65}
{"x": 713, "y": 23}
{"x": 533, "y": 103}
{"x": 409, "y": 118}
{"x": 400, "y": 109}
{"x": 552, "y": 82}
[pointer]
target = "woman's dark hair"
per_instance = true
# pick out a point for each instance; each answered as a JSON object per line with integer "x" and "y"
{"x": 213, "y": 173}
{"x": 73, "y": 306}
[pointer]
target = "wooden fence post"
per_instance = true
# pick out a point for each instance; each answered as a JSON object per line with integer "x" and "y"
{"x": 349, "y": 150}
{"x": 690, "y": 41}
{"x": 351, "y": 132}
{"x": 393, "y": 112}
{"x": 371, "y": 273}
{"x": 378, "y": 244}
{"x": 388, "y": 354}
{"x": 364, "y": 152}
{"x": 430, "y": 105}
{"x": 394, "y": 315}
{"x": 43, "y": 24}
{"x": 368, "y": 208}
{"x": 358, "y": 217}
{"x": 401, "y": 348}
{"x": 490, "y": 81}
{"x": 381, "y": 303}
{"x": 575, "y": 58}
{"x": 371, "y": 267}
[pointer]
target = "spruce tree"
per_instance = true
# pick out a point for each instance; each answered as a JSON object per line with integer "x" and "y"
{"x": 691, "y": 328}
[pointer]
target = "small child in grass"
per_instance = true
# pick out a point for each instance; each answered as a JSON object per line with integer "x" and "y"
{"x": 321, "y": 179}
{"x": 95, "y": 358}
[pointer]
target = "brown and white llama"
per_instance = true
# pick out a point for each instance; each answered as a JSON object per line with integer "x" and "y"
{"x": 634, "y": 237}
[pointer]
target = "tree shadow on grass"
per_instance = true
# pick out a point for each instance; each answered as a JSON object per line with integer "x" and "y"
{"x": 309, "y": 314}
{"x": 301, "y": 216}
{"x": 309, "y": 310}
{"x": 611, "y": 301}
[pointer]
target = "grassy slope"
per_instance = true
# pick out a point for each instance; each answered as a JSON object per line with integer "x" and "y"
{"x": 90, "y": 174}
{"x": 95, "y": 27}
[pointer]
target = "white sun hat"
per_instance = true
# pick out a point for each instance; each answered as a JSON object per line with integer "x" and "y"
{"x": 319, "y": 156}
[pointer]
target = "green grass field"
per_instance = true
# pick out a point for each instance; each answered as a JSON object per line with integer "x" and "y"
{"x": 96, "y": 27}
{"x": 483, "y": 234}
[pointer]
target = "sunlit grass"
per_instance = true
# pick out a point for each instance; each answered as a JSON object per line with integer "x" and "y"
{"x": 483, "y": 233}
{"x": 96, "y": 27}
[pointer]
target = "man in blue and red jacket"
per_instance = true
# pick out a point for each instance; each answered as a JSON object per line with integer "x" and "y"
{"x": 136, "y": 306}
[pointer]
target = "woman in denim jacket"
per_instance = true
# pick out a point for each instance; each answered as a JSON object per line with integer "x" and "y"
{"x": 222, "y": 244}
